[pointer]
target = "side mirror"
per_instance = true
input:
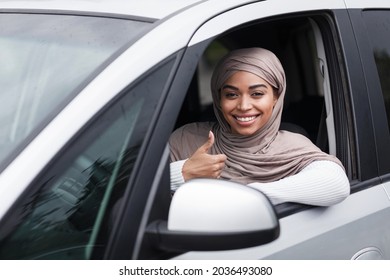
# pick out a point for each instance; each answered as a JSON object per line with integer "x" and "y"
{"x": 207, "y": 215}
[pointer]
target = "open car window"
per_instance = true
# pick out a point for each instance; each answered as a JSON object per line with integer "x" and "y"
{"x": 300, "y": 45}
{"x": 314, "y": 103}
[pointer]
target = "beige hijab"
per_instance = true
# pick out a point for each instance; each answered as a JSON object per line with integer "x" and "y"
{"x": 267, "y": 155}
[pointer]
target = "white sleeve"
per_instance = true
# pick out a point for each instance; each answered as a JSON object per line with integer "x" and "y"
{"x": 177, "y": 178}
{"x": 321, "y": 183}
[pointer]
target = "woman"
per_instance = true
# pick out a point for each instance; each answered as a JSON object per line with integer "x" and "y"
{"x": 246, "y": 146}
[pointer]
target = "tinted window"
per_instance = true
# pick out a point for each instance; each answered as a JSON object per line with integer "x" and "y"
{"x": 68, "y": 212}
{"x": 378, "y": 27}
{"x": 45, "y": 61}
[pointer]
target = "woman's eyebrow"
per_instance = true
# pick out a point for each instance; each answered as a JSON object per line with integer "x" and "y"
{"x": 250, "y": 87}
{"x": 257, "y": 86}
{"x": 229, "y": 87}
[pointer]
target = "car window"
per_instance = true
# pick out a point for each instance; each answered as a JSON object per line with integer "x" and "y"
{"x": 314, "y": 104}
{"x": 299, "y": 44}
{"x": 378, "y": 26}
{"x": 45, "y": 61}
{"x": 67, "y": 212}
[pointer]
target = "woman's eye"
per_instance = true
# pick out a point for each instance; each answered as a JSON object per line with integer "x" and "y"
{"x": 230, "y": 94}
{"x": 257, "y": 94}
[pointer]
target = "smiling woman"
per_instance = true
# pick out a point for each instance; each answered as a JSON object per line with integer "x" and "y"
{"x": 245, "y": 145}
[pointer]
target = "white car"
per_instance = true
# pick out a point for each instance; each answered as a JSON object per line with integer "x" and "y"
{"x": 91, "y": 91}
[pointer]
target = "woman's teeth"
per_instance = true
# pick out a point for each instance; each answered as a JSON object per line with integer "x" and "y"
{"x": 245, "y": 119}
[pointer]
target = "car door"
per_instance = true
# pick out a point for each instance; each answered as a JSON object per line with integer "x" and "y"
{"x": 359, "y": 226}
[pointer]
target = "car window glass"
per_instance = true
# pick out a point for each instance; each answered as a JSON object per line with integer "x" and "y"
{"x": 378, "y": 26}
{"x": 66, "y": 213}
{"x": 45, "y": 60}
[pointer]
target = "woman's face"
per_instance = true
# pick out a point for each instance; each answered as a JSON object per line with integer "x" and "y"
{"x": 247, "y": 102}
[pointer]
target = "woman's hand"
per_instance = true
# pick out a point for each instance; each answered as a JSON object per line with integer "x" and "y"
{"x": 203, "y": 165}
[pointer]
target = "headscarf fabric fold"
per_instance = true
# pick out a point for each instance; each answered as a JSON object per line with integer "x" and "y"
{"x": 265, "y": 156}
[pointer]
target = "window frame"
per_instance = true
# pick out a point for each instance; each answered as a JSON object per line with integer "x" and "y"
{"x": 359, "y": 104}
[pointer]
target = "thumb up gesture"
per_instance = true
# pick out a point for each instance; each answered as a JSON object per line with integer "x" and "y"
{"x": 203, "y": 165}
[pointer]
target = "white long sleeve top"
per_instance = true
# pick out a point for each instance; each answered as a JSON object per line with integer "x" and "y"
{"x": 321, "y": 183}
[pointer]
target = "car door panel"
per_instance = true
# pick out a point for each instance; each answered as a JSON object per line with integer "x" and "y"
{"x": 336, "y": 232}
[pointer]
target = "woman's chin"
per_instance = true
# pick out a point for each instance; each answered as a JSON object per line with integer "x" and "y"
{"x": 248, "y": 131}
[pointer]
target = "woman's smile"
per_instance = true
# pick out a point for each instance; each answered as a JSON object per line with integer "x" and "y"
{"x": 245, "y": 119}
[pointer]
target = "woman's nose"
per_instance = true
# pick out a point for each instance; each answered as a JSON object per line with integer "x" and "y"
{"x": 244, "y": 103}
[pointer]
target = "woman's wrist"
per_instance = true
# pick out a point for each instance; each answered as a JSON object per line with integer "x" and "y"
{"x": 177, "y": 178}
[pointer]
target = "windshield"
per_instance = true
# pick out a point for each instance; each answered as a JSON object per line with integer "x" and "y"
{"x": 45, "y": 61}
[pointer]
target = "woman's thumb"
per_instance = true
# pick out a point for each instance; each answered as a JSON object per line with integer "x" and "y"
{"x": 210, "y": 142}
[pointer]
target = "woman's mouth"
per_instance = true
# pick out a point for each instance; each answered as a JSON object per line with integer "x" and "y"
{"x": 245, "y": 119}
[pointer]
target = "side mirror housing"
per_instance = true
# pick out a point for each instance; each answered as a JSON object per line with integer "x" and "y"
{"x": 207, "y": 215}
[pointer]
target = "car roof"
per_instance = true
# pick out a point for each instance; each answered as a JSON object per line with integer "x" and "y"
{"x": 154, "y": 9}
